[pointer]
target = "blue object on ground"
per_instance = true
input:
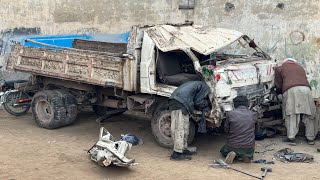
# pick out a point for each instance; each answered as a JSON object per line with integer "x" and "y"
{"x": 131, "y": 138}
{"x": 58, "y": 40}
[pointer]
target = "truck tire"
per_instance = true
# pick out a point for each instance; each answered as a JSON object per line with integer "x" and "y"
{"x": 53, "y": 109}
{"x": 161, "y": 127}
{"x": 70, "y": 104}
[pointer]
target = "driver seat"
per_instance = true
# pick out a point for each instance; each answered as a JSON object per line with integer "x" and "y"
{"x": 170, "y": 71}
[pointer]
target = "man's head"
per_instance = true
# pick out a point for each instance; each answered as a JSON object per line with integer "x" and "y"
{"x": 240, "y": 101}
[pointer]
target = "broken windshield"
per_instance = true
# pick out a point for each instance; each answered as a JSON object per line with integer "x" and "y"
{"x": 241, "y": 50}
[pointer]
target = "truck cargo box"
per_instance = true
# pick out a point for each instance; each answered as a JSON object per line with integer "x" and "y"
{"x": 83, "y": 66}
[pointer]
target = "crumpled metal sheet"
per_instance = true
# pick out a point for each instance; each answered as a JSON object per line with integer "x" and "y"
{"x": 204, "y": 40}
{"x": 288, "y": 155}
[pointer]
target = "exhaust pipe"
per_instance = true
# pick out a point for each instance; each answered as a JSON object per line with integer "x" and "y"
{"x": 21, "y": 104}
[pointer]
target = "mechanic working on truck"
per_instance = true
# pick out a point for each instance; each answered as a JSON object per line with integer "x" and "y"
{"x": 183, "y": 101}
{"x": 297, "y": 103}
{"x": 240, "y": 129}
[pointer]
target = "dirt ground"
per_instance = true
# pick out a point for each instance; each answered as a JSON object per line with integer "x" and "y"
{"x": 29, "y": 152}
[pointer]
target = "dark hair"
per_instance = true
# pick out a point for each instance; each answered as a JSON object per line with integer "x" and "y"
{"x": 240, "y": 101}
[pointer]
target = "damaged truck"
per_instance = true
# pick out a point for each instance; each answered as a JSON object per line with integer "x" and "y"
{"x": 142, "y": 73}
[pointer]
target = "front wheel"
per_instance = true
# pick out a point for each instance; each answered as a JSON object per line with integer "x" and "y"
{"x": 161, "y": 128}
{"x": 11, "y": 99}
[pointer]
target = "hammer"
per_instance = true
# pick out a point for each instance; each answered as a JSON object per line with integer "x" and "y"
{"x": 265, "y": 170}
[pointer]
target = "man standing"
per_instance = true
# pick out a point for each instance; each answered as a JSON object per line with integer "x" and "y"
{"x": 240, "y": 129}
{"x": 297, "y": 102}
{"x": 183, "y": 101}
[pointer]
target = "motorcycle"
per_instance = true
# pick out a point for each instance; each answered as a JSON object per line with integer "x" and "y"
{"x": 14, "y": 101}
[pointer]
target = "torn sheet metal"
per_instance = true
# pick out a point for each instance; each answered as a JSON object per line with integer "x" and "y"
{"x": 204, "y": 40}
{"x": 107, "y": 151}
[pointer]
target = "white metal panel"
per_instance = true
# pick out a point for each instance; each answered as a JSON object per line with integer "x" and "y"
{"x": 204, "y": 40}
{"x": 147, "y": 71}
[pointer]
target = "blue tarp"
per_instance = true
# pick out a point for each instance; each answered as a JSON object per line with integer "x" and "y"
{"x": 58, "y": 40}
{"x": 66, "y": 40}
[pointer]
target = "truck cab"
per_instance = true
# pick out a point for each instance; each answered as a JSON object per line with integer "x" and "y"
{"x": 227, "y": 60}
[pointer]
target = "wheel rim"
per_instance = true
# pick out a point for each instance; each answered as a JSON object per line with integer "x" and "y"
{"x": 44, "y": 110}
{"x": 165, "y": 125}
{"x": 12, "y": 99}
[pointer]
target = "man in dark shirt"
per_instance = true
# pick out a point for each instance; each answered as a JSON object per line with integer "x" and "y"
{"x": 183, "y": 101}
{"x": 240, "y": 129}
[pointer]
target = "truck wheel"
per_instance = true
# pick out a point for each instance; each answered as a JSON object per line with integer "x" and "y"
{"x": 52, "y": 109}
{"x": 71, "y": 106}
{"x": 161, "y": 128}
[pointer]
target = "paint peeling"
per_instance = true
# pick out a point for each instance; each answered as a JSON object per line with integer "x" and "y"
{"x": 280, "y": 6}
{"x": 317, "y": 40}
{"x": 9, "y": 34}
{"x": 229, "y": 7}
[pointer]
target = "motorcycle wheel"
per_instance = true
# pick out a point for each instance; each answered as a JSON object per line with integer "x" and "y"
{"x": 11, "y": 99}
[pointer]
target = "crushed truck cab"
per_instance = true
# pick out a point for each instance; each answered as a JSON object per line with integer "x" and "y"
{"x": 142, "y": 74}
{"x": 173, "y": 55}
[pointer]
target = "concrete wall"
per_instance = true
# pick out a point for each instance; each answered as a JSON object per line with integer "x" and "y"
{"x": 287, "y": 28}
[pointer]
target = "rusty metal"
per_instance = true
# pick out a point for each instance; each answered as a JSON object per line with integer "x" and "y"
{"x": 139, "y": 101}
{"x": 74, "y": 49}
{"x": 84, "y": 67}
{"x": 113, "y": 103}
{"x": 165, "y": 125}
{"x": 118, "y": 48}
{"x": 68, "y": 84}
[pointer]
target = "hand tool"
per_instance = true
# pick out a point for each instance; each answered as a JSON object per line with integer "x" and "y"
{"x": 265, "y": 170}
{"x": 222, "y": 164}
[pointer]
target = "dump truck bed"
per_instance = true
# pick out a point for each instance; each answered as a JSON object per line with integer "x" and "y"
{"x": 83, "y": 66}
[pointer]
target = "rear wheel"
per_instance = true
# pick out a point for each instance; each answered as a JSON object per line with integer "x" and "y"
{"x": 11, "y": 99}
{"x": 52, "y": 109}
{"x": 161, "y": 127}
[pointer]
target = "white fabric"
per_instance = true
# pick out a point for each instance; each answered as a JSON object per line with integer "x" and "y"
{"x": 179, "y": 130}
{"x": 298, "y": 100}
{"x": 292, "y": 125}
{"x": 298, "y": 103}
{"x": 317, "y": 119}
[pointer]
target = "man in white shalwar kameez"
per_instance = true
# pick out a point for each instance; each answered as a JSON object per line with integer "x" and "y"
{"x": 297, "y": 104}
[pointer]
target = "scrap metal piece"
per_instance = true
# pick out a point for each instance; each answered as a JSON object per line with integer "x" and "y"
{"x": 107, "y": 151}
{"x": 222, "y": 164}
{"x": 287, "y": 155}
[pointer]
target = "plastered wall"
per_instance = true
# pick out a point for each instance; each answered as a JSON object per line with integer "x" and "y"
{"x": 288, "y": 28}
